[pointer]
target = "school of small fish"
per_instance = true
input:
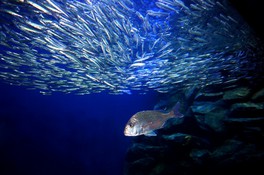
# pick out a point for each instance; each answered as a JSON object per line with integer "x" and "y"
{"x": 90, "y": 46}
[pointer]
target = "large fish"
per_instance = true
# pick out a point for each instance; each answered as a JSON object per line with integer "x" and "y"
{"x": 146, "y": 122}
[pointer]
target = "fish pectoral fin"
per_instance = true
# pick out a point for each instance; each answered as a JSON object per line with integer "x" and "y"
{"x": 151, "y": 133}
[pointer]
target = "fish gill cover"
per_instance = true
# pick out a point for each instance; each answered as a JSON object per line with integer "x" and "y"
{"x": 90, "y": 46}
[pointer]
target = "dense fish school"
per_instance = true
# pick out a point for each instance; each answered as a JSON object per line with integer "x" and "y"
{"x": 90, "y": 46}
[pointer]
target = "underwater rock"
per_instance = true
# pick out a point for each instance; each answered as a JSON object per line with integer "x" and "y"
{"x": 203, "y": 107}
{"x": 247, "y": 110}
{"x": 210, "y": 114}
{"x": 213, "y": 119}
{"x": 237, "y": 94}
{"x": 247, "y": 106}
{"x": 258, "y": 96}
{"x": 139, "y": 151}
{"x": 173, "y": 122}
{"x": 144, "y": 164}
{"x": 209, "y": 96}
{"x": 235, "y": 155}
{"x": 227, "y": 149}
{"x": 245, "y": 121}
{"x": 177, "y": 138}
{"x": 160, "y": 168}
{"x": 191, "y": 93}
{"x": 186, "y": 140}
{"x": 214, "y": 136}
{"x": 199, "y": 155}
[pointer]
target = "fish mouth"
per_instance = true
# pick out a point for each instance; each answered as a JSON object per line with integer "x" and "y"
{"x": 128, "y": 132}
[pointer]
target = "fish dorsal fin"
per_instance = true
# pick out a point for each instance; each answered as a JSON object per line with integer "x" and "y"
{"x": 175, "y": 111}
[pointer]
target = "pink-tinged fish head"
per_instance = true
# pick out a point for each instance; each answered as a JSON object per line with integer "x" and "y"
{"x": 133, "y": 127}
{"x": 147, "y": 122}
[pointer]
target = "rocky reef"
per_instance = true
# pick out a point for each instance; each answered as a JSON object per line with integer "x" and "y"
{"x": 222, "y": 132}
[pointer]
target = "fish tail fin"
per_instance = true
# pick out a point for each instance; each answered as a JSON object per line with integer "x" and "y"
{"x": 175, "y": 111}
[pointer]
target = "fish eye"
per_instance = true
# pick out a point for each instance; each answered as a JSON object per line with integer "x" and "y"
{"x": 131, "y": 124}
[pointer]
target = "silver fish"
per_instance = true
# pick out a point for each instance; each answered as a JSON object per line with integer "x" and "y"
{"x": 146, "y": 122}
{"x": 115, "y": 45}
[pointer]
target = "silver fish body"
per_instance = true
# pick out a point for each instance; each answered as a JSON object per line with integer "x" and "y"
{"x": 146, "y": 122}
{"x": 118, "y": 45}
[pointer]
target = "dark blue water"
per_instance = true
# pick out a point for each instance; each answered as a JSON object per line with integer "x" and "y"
{"x": 65, "y": 134}
{"x": 69, "y": 134}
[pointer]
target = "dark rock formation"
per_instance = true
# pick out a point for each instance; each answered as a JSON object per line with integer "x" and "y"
{"x": 222, "y": 132}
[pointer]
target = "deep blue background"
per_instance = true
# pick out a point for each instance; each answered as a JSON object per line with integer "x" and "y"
{"x": 65, "y": 134}
{"x": 74, "y": 135}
